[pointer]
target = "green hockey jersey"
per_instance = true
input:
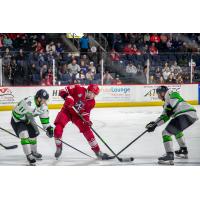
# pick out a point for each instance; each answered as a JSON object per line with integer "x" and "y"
{"x": 27, "y": 106}
{"x": 174, "y": 106}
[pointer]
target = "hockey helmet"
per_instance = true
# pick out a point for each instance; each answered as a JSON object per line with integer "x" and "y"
{"x": 161, "y": 88}
{"x": 43, "y": 94}
{"x": 94, "y": 88}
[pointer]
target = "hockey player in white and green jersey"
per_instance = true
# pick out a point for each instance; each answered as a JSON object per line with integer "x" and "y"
{"x": 183, "y": 115}
{"x": 24, "y": 125}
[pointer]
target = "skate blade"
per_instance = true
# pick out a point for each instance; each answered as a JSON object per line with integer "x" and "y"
{"x": 171, "y": 162}
{"x": 182, "y": 156}
{"x": 31, "y": 164}
{"x": 39, "y": 159}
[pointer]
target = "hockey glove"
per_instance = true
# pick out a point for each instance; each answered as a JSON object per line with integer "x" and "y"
{"x": 49, "y": 131}
{"x": 151, "y": 126}
{"x": 69, "y": 102}
{"x": 63, "y": 94}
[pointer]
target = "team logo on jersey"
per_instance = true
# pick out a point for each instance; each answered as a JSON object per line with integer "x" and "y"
{"x": 79, "y": 105}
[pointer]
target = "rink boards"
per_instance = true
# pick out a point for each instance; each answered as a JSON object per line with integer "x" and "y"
{"x": 110, "y": 95}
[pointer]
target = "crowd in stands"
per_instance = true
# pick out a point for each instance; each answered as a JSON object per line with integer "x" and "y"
{"x": 27, "y": 59}
{"x": 164, "y": 53}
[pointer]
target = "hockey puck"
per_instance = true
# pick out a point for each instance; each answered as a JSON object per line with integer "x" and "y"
{"x": 132, "y": 159}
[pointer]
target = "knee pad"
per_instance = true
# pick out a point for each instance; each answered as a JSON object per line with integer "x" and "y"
{"x": 166, "y": 136}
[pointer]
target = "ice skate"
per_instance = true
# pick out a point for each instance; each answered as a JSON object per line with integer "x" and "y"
{"x": 58, "y": 152}
{"x": 37, "y": 155}
{"x": 102, "y": 156}
{"x": 182, "y": 152}
{"x": 167, "y": 159}
{"x": 31, "y": 160}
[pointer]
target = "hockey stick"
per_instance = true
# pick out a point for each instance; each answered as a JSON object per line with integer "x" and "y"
{"x": 134, "y": 140}
{"x": 111, "y": 157}
{"x": 8, "y": 147}
{"x": 8, "y": 132}
{"x": 66, "y": 143}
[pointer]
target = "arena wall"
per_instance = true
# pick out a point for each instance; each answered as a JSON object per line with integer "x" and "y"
{"x": 110, "y": 96}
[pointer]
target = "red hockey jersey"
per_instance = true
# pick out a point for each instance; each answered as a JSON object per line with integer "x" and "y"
{"x": 83, "y": 105}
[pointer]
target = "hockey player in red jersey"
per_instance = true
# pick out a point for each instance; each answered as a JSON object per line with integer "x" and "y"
{"x": 83, "y": 100}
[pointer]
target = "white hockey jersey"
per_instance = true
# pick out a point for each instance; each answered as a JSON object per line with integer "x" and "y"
{"x": 174, "y": 106}
{"x": 27, "y": 106}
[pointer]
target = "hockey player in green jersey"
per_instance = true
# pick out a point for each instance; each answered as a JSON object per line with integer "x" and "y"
{"x": 24, "y": 125}
{"x": 183, "y": 115}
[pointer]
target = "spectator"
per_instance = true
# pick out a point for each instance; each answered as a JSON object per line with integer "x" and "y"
{"x": 46, "y": 80}
{"x": 31, "y": 72}
{"x": 7, "y": 42}
{"x": 179, "y": 79}
{"x": 50, "y": 47}
{"x": 163, "y": 38}
{"x": 131, "y": 69}
{"x": 157, "y": 74}
{"x": 21, "y": 55}
{"x": 85, "y": 59}
{"x": 43, "y": 71}
{"x": 90, "y": 76}
{"x": 83, "y": 67}
{"x": 169, "y": 44}
{"x": 152, "y": 80}
{"x": 43, "y": 41}
{"x": 171, "y": 78}
{"x": 161, "y": 80}
{"x": 128, "y": 50}
{"x": 81, "y": 77}
{"x": 146, "y": 38}
{"x": 50, "y": 75}
{"x": 18, "y": 73}
{"x": 59, "y": 48}
{"x": 107, "y": 78}
{"x": 117, "y": 43}
{"x": 39, "y": 48}
{"x": 145, "y": 49}
{"x": 73, "y": 68}
{"x": 136, "y": 51}
{"x": 166, "y": 72}
{"x": 114, "y": 55}
{"x": 92, "y": 67}
{"x": 7, "y": 57}
{"x": 153, "y": 50}
{"x": 176, "y": 67}
{"x": 116, "y": 81}
{"x": 84, "y": 44}
{"x": 155, "y": 38}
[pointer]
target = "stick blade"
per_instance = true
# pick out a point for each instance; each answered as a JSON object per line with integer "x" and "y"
{"x": 10, "y": 147}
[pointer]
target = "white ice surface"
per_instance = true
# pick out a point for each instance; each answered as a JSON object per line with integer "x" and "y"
{"x": 117, "y": 126}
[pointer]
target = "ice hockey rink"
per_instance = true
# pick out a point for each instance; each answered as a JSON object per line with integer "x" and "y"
{"x": 118, "y": 127}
